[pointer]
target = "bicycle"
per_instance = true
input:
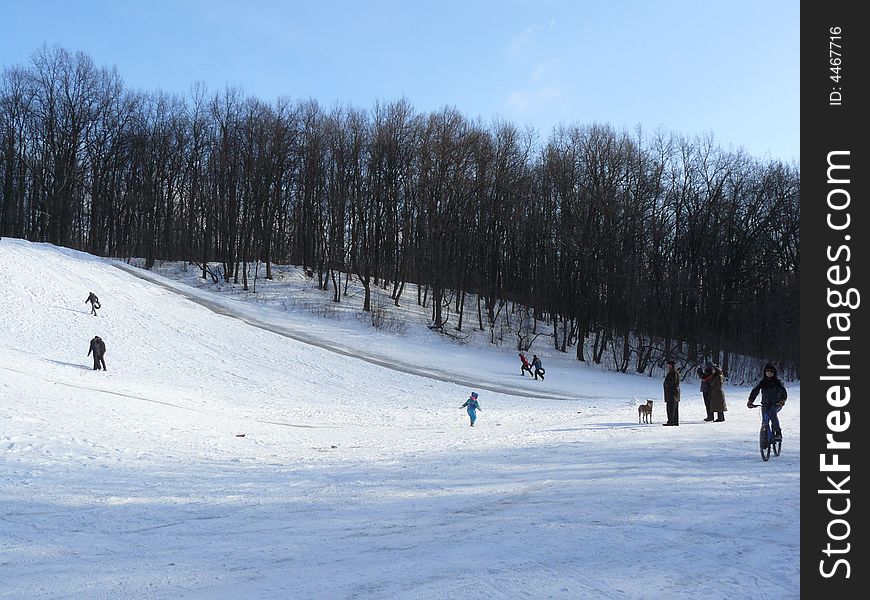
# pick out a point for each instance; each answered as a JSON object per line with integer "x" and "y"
{"x": 766, "y": 440}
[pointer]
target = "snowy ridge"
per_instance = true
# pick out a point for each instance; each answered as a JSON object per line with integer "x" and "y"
{"x": 353, "y": 480}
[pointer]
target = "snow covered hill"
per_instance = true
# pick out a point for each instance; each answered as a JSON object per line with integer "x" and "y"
{"x": 358, "y": 475}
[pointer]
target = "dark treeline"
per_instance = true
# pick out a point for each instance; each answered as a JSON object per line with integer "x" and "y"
{"x": 647, "y": 246}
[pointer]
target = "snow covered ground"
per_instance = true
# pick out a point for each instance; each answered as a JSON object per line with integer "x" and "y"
{"x": 353, "y": 479}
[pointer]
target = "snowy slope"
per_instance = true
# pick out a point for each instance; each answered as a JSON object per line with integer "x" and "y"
{"x": 353, "y": 480}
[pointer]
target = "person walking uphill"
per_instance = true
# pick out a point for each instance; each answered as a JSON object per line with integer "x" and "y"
{"x": 717, "y": 394}
{"x": 539, "y": 369}
{"x": 705, "y": 375}
{"x": 95, "y": 303}
{"x": 773, "y": 397}
{"x": 671, "y": 386}
{"x": 525, "y": 366}
{"x": 472, "y": 406}
{"x": 98, "y": 348}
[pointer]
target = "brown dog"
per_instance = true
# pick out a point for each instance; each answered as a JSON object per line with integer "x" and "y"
{"x": 644, "y": 412}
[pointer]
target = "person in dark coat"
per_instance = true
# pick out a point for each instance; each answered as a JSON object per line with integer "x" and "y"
{"x": 539, "y": 369}
{"x": 717, "y": 394}
{"x": 773, "y": 397}
{"x": 98, "y": 349}
{"x": 705, "y": 375}
{"x": 525, "y": 366}
{"x": 95, "y": 303}
{"x": 671, "y": 386}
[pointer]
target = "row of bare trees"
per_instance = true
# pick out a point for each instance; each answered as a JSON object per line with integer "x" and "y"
{"x": 650, "y": 245}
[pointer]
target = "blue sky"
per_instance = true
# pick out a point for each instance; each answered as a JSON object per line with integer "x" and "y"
{"x": 690, "y": 67}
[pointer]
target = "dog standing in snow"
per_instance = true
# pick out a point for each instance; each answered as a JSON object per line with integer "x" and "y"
{"x": 644, "y": 412}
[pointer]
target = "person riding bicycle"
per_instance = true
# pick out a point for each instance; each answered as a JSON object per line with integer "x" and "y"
{"x": 773, "y": 396}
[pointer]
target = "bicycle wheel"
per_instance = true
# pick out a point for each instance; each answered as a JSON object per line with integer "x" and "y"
{"x": 764, "y": 444}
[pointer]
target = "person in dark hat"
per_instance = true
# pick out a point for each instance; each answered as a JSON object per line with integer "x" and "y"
{"x": 98, "y": 349}
{"x": 539, "y": 368}
{"x": 95, "y": 303}
{"x": 705, "y": 375}
{"x": 671, "y": 386}
{"x": 717, "y": 394}
{"x": 773, "y": 397}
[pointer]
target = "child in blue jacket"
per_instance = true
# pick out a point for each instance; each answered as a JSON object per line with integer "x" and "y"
{"x": 473, "y": 406}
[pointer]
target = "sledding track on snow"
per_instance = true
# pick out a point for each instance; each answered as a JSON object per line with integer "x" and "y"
{"x": 429, "y": 373}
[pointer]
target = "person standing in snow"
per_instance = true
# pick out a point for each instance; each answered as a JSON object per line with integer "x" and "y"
{"x": 773, "y": 396}
{"x": 671, "y": 386}
{"x": 717, "y": 394}
{"x": 472, "y": 406}
{"x": 525, "y": 366}
{"x": 705, "y": 375}
{"x": 539, "y": 370}
{"x": 98, "y": 348}
{"x": 95, "y": 303}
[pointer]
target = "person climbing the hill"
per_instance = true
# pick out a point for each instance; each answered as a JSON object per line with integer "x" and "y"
{"x": 539, "y": 369}
{"x": 525, "y": 366}
{"x": 773, "y": 397}
{"x": 98, "y": 348}
{"x": 472, "y": 406}
{"x": 95, "y": 303}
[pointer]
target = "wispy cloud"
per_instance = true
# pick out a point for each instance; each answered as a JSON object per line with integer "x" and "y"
{"x": 525, "y": 42}
{"x": 532, "y": 99}
{"x": 542, "y": 88}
